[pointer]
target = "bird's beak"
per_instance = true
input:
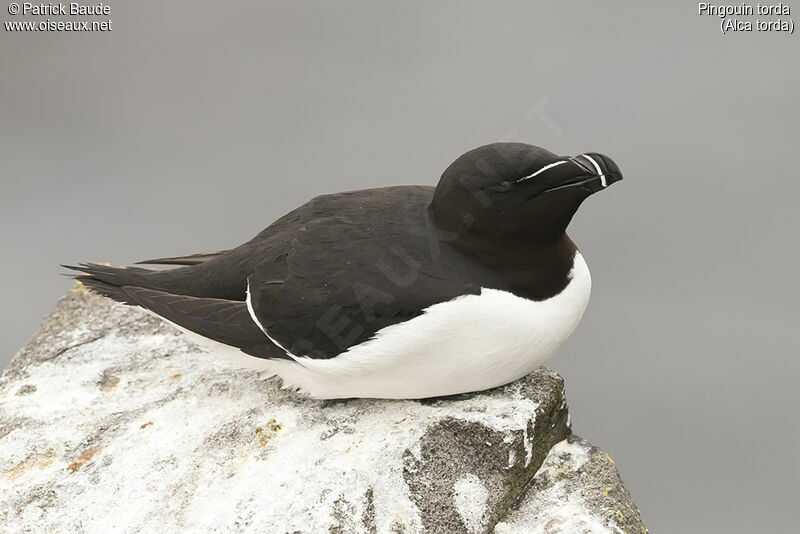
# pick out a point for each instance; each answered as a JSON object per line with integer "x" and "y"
{"x": 601, "y": 171}
{"x": 591, "y": 171}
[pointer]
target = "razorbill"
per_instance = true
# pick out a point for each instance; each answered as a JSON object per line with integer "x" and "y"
{"x": 397, "y": 292}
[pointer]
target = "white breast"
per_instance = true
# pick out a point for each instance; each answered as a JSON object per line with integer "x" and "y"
{"x": 470, "y": 343}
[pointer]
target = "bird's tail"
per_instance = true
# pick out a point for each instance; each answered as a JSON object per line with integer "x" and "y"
{"x": 208, "y": 278}
{"x": 110, "y": 281}
{"x": 225, "y": 321}
{"x": 191, "y": 259}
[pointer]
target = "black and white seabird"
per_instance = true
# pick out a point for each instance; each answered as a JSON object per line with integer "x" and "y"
{"x": 397, "y": 292}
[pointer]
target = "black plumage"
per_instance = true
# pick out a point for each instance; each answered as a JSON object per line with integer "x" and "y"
{"x": 333, "y": 272}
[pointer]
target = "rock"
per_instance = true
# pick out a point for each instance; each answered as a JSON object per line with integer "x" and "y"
{"x": 111, "y": 420}
{"x": 577, "y": 489}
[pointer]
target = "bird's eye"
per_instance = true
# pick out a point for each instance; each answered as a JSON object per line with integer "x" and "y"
{"x": 502, "y": 187}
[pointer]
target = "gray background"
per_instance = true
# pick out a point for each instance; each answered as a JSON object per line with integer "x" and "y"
{"x": 192, "y": 125}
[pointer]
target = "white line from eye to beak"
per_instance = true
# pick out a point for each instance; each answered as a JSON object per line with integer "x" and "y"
{"x": 550, "y": 166}
{"x": 597, "y": 168}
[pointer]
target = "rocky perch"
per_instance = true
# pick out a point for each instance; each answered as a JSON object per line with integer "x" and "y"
{"x": 112, "y": 421}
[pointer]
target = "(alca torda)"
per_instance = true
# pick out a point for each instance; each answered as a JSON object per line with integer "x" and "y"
{"x": 397, "y": 292}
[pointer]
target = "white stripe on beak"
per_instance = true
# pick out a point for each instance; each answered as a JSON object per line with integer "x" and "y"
{"x": 597, "y": 168}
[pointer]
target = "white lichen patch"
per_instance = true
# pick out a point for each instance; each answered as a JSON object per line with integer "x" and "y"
{"x": 135, "y": 431}
{"x": 512, "y": 458}
{"x": 555, "y": 504}
{"x": 471, "y": 499}
{"x": 572, "y": 455}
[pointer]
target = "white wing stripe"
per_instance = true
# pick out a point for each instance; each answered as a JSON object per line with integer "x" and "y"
{"x": 255, "y": 320}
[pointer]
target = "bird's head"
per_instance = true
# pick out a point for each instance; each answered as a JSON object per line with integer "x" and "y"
{"x": 516, "y": 190}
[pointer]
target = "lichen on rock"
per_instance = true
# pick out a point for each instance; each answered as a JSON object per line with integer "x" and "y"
{"x": 577, "y": 489}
